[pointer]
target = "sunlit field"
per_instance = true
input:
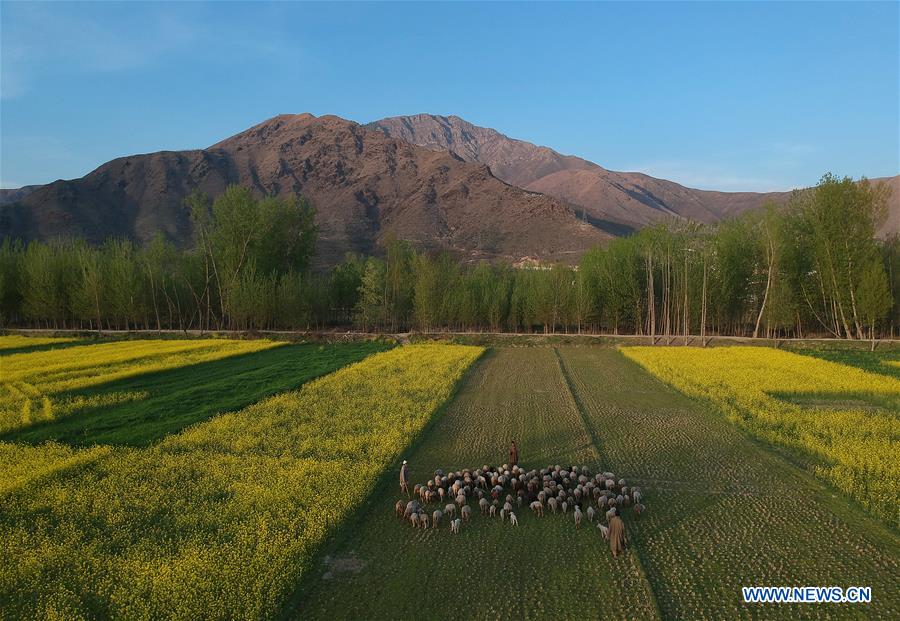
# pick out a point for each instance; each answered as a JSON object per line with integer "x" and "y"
{"x": 257, "y": 480}
{"x": 218, "y": 520}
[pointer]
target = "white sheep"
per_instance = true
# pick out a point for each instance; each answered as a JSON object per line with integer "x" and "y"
{"x": 577, "y": 516}
{"x": 436, "y": 518}
{"x": 454, "y": 525}
{"x": 513, "y": 520}
{"x": 551, "y": 502}
{"x": 450, "y": 509}
{"x": 603, "y": 530}
{"x": 503, "y": 513}
{"x": 590, "y": 514}
{"x": 537, "y": 508}
{"x": 483, "y": 505}
{"x": 466, "y": 513}
{"x": 565, "y": 507}
{"x": 423, "y": 520}
{"x": 492, "y": 511}
{"x": 507, "y": 507}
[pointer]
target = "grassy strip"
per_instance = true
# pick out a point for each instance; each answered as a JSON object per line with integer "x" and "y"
{"x": 595, "y": 440}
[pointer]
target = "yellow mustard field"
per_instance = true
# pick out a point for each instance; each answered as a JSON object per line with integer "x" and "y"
{"x": 32, "y": 384}
{"x": 855, "y": 448}
{"x": 17, "y": 341}
{"x": 221, "y": 520}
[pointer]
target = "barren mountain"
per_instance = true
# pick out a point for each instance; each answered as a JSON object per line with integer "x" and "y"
{"x": 615, "y": 201}
{"x": 365, "y": 187}
{"x": 11, "y": 195}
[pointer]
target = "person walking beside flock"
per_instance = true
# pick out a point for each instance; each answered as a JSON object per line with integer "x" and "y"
{"x": 404, "y": 478}
{"x": 617, "y": 538}
{"x": 513, "y": 455}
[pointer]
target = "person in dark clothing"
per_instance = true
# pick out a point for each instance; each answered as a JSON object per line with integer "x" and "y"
{"x": 404, "y": 478}
{"x": 513, "y": 454}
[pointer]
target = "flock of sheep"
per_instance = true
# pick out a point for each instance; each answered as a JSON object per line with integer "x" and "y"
{"x": 498, "y": 491}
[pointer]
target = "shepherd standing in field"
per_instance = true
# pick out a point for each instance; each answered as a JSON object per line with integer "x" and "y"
{"x": 404, "y": 478}
{"x": 513, "y": 454}
{"x": 616, "y": 534}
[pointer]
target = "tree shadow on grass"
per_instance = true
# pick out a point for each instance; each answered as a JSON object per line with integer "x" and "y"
{"x": 29, "y": 349}
{"x": 867, "y": 402}
{"x": 180, "y": 397}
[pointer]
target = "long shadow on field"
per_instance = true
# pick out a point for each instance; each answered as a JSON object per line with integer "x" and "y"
{"x": 180, "y": 397}
{"x": 841, "y": 401}
{"x": 29, "y": 349}
{"x": 384, "y": 486}
{"x": 871, "y": 361}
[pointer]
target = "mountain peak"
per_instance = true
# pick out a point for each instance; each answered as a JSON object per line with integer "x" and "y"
{"x": 364, "y": 185}
{"x": 615, "y": 201}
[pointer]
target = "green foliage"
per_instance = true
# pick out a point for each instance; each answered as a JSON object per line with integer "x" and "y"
{"x": 811, "y": 267}
{"x": 873, "y": 294}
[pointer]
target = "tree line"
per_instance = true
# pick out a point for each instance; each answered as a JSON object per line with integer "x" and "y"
{"x": 812, "y": 267}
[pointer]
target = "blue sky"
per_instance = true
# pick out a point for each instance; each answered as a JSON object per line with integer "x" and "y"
{"x": 731, "y": 96}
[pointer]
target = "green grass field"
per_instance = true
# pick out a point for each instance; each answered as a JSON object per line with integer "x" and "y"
{"x": 169, "y": 489}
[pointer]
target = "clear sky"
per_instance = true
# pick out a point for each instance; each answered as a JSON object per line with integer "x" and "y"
{"x": 729, "y": 96}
